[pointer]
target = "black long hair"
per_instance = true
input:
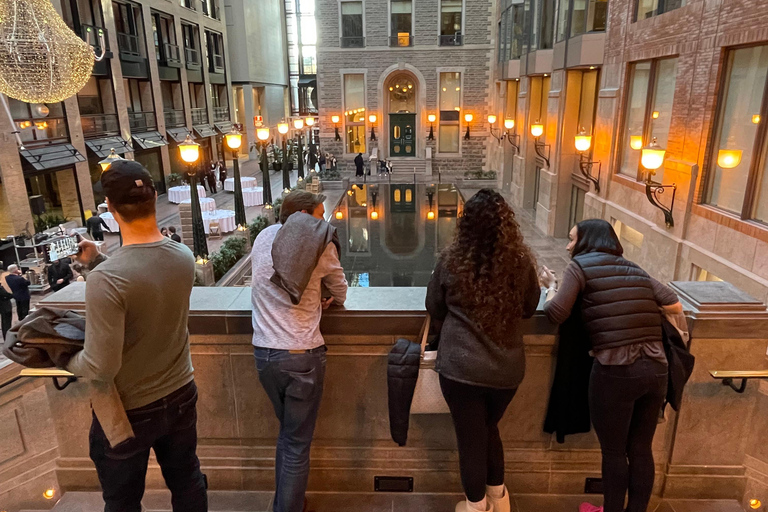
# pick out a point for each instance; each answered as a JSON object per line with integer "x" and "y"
{"x": 596, "y": 235}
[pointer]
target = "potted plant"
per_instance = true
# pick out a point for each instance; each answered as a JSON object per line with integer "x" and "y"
{"x": 277, "y": 158}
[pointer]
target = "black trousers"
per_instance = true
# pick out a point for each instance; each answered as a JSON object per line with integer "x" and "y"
{"x": 169, "y": 427}
{"x": 476, "y": 412}
{"x": 625, "y": 402}
{"x": 6, "y": 319}
{"x": 98, "y": 236}
{"x": 22, "y": 309}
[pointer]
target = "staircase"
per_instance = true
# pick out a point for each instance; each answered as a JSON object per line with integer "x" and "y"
{"x": 409, "y": 166}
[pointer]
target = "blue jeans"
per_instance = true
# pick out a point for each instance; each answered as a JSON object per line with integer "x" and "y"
{"x": 294, "y": 383}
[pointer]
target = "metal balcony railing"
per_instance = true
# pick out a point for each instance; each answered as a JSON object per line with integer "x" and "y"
{"x": 192, "y": 57}
{"x": 172, "y": 53}
{"x": 401, "y": 41}
{"x": 99, "y": 124}
{"x": 128, "y": 44}
{"x": 352, "y": 42}
{"x": 221, "y": 114}
{"x": 451, "y": 40}
{"x": 174, "y": 118}
{"x": 199, "y": 116}
{"x": 142, "y": 121}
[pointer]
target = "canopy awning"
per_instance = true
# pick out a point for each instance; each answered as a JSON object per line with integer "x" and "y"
{"x": 149, "y": 140}
{"x": 50, "y": 157}
{"x": 102, "y": 147}
{"x": 179, "y": 134}
{"x": 224, "y": 127}
{"x": 204, "y": 130}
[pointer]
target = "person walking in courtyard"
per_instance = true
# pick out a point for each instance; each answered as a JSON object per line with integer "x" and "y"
{"x": 620, "y": 305}
{"x": 291, "y": 263}
{"x": 222, "y": 173}
{"x": 173, "y": 235}
{"x": 20, "y": 289}
{"x": 6, "y": 307}
{"x": 359, "y": 164}
{"x": 210, "y": 176}
{"x": 136, "y": 337}
{"x": 60, "y": 274}
{"x": 483, "y": 285}
{"x": 94, "y": 225}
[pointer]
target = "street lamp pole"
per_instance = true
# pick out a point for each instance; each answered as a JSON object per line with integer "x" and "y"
{"x": 262, "y": 133}
{"x": 298, "y": 125}
{"x": 282, "y": 129}
{"x": 190, "y": 152}
{"x": 233, "y": 141}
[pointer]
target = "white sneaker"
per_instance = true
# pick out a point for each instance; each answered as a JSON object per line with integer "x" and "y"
{"x": 500, "y": 504}
{"x": 463, "y": 506}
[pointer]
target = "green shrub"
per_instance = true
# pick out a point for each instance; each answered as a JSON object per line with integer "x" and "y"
{"x": 480, "y": 175}
{"x": 47, "y": 221}
{"x": 230, "y": 253}
{"x": 329, "y": 175}
{"x": 174, "y": 179}
{"x": 277, "y": 204}
{"x": 257, "y": 226}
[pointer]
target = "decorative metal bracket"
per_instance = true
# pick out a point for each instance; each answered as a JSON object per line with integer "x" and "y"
{"x": 742, "y": 387}
{"x": 373, "y": 134}
{"x": 513, "y": 137}
{"x": 539, "y": 147}
{"x": 466, "y": 135}
{"x": 585, "y": 166}
{"x": 653, "y": 190}
{"x": 497, "y": 137}
{"x": 431, "y": 135}
{"x": 338, "y": 137}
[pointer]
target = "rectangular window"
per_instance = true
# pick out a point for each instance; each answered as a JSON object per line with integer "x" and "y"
{"x": 354, "y": 105}
{"x": 562, "y": 20}
{"x": 39, "y": 121}
{"x": 450, "y": 23}
{"x": 450, "y": 109}
{"x": 539, "y": 90}
{"x": 547, "y": 24}
{"x": 588, "y": 102}
{"x": 510, "y": 110}
{"x": 578, "y": 197}
{"x": 738, "y": 167}
{"x": 588, "y": 16}
{"x": 650, "y": 8}
{"x": 699, "y": 274}
{"x": 402, "y": 14}
{"x": 648, "y": 112}
{"x": 352, "y": 25}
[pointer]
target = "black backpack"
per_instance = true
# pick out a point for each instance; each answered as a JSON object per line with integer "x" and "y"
{"x": 680, "y": 361}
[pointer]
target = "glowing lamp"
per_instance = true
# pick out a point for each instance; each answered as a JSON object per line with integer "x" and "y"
{"x": 756, "y": 119}
{"x": 49, "y": 494}
{"x": 310, "y": 121}
{"x": 374, "y": 215}
{"x": 335, "y": 119}
{"x": 233, "y": 139}
{"x": 349, "y": 192}
{"x": 110, "y": 159}
{"x": 583, "y": 142}
{"x": 636, "y": 142}
{"x": 655, "y": 114}
{"x": 431, "y": 215}
{"x": 652, "y": 156}
{"x": 432, "y": 118}
{"x": 189, "y": 150}
{"x": 729, "y": 158}
{"x": 282, "y": 128}
{"x": 755, "y": 504}
{"x": 339, "y": 215}
{"x": 468, "y": 117}
{"x": 298, "y": 123}
{"x": 537, "y": 129}
{"x": 372, "y": 118}
{"x": 492, "y": 119}
{"x": 509, "y": 124}
{"x": 262, "y": 133}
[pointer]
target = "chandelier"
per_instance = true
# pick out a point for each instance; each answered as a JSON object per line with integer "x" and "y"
{"x": 41, "y": 59}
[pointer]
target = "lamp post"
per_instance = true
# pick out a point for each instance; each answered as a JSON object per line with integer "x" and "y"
{"x": 234, "y": 140}
{"x": 190, "y": 152}
{"x": 298, "y": 125}
{"x": 282, "y": 129}
{"x": 312, "y": 156}
{"x": 262, "y": 133}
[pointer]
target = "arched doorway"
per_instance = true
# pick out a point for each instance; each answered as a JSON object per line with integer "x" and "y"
{"x": 401, "y": 92}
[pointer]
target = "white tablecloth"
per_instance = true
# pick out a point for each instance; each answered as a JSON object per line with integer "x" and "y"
{"x": 207, "y": 204}
{"x": 178, "y": 194}
{"x": 253, "y": 196}
{"x": 102, "y": 208}
{"x": 110, "y": 221}
{"x": 226, "y": 220}
{"x": 246, "y": 182}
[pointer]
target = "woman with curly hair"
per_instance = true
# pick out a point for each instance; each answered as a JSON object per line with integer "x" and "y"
{"x": 483, "y": 285}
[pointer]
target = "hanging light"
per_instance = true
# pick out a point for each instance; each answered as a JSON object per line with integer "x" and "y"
{"x": 729, "y": 158}
{"x": 262, "y": 133}
{"x": 298, "y": 123}
{"x": 233, "y": 139}
{"x": 310, "y": 121}
{"x": 537, "y": 129}
{"x": 491, "y": 119}
{"x": 374, "y": 215}
{"x": 111, "y": 158}
{"x": 282, "y": 128}
{"x": 636, "y": 142}
{"x": 583, "y": 141}
{"x": 652, "y": 156}
{"x": 509, "y": 124}
{"x": 41, "y": 59}
{"x": 431, "y": 215}
{"x": 189, "y": 150}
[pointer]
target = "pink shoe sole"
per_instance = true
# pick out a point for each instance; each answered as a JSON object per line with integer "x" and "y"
{"x": 588, "y": 507}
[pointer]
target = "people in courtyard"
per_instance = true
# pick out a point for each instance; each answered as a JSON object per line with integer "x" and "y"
{"x": 6, "y": 306}
{"x": 19, "y": 286}
{"x": 359, "y": 164}
{"x": 222, "y": 173}
{"x": 164, "y": 231}
{"x": 210, "y": 176}
{"x": 136, "y": 338}
{"x": 292, "y": 262}
{"x": 483, "y": 285}
{"x": 173, "y": 234}
{"x": 620, "y": 305}
{"x": 94, "y": 225}
{"x": 60, "y": 274}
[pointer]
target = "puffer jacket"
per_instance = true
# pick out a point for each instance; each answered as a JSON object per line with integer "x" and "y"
{"x": 402, "y": 373}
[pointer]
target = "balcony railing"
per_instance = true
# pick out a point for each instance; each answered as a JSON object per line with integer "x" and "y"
{"x": 174, "y": 118}
{"x": 90, "y": 35}
{"x": 47, "y": 129}
{"x": 142, "y": 121}
{"x": 99, "y": 124}
{"x": 199, "y": 116}
{"x": 395, "y": 41}
{"x": 353, "y": 42}
{"x": 451, "y": 40}
{"x": 172, "y": 53}
{"x": 221, "y": 114}
{"x": 128, "y": 44}
{"x": 192, "y": 58}
{"x": 217, "y": 63}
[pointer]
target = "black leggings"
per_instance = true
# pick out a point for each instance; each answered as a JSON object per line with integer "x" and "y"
{"x": 476, "y": 412}
{"x": 625, "y": 402}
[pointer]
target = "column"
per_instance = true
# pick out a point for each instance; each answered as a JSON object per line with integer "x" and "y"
{"x": 15, "y": 212}
{"x": 248, "y": 108}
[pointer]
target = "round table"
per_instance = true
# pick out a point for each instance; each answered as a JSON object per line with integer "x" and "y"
{"x": 110, "y": 221}
{"x": 207, "y": 204}
{"x": 245, "y": 181}
{"x": 102, "y": 208}
{"x": 253, "y": 196}
{"x": 226, "y": 220}
{"x": 179, "y": 194}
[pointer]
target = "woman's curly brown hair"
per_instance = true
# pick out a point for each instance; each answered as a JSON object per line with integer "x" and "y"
{"x": 490, "y": 263}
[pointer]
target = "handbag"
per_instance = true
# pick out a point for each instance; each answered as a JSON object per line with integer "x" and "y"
{"x": 428, "y": 397}
{"x": 680, "y": 363}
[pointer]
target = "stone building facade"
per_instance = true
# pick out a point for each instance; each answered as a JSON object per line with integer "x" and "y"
{"x": 403, "y": 61}
{"x": 692, "y": 77}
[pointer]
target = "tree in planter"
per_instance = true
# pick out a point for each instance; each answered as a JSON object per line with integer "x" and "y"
{"x": 277, "y": 158}
{"x": 174, "y": 179}
{"x": 47, "y": 221}
{"x": 258, "y": 225}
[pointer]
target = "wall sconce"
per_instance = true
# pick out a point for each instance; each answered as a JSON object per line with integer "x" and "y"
{"x": 652, "y": 157}
{"x": 512, "y": 138}
{"x": 492, "y": 121}
{"x": 583, "y": 143}
{"x": 339, "y": 215}
{"x": 655, "y": 114}
{"x": 756, "y": 119}
{"x": 430, "y": 215}
{"x": 636, "y": 142}
{"x": 335, "y": 120}
{"x": 537, "y": 130}
{"x": 310, "y": 121}
{"x": 431, "y": 118}
{"x": 468, "y": 119}
{"x": 755, "y": 504}
{"x": 298, "y": 123}
{"x": 729, "y": 158}
{"x": 372, "y": 120}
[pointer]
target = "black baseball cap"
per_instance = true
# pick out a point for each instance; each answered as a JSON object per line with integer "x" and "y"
{"x": 127, "y": 182}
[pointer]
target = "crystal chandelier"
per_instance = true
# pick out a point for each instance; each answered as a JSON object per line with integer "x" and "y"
{"x": 41, "y": 59}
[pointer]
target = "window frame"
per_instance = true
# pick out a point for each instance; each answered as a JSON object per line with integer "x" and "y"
{"x": 389, "y": 25}
{"x": 759, "y": 147}
{"x": 341, "y": 23}
{"x": 364, "y": 124}
{"x": 460, "y": 123}
{"x": 636, "y": 9}
{"x": 461, "y": 34}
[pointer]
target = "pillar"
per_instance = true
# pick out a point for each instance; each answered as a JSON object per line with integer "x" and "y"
{"x": 248, "y": 108}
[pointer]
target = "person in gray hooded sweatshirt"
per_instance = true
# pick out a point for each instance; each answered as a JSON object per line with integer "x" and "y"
{"x": 291, "y": 263}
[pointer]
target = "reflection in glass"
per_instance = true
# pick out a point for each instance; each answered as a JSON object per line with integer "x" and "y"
{"x": 354, "y": 103}
{"x": 634, "y": 116}
{"x": 664, "y": 93}
{"x": 649, "y": 8}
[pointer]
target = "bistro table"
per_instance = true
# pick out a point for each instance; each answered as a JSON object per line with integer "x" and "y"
{"x": 207, "y": 204}
{"x": 246, "y": 181}
{"x": 226, "y": 220}
{"x": 253, "y": 196}
{"x": 110, "y": 221}
{"x": 102, "y": 208}
{"x": 179, "y": 194}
